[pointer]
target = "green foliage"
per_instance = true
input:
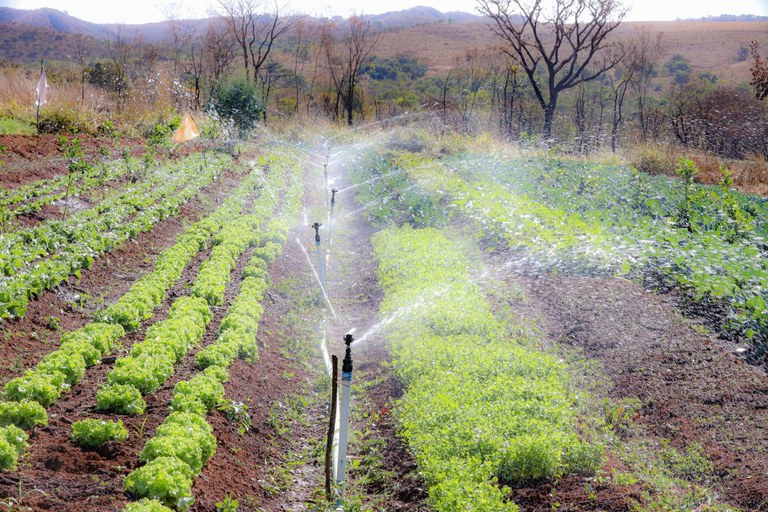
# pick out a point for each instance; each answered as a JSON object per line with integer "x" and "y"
{"x": 200, "y": 436}
{"x": 44, "y": 388}
{"x": 180, "y": 447}
{"x": 208, "y": 390}
{"x": 166, "y": 479}
{"x": 228, "y": 504}
{"x": 146, "y": 505}
{"x": 61, "y": 120}
{"x": 13, "y": 440}
{"x": 9, "y": 126}
{"x": 120, "y": 399}
{"x": 477, "y": 408}
{"x": 110, "y": 76}
{"x": 25, "y": 414}
{"x": 236, "y": 412}
{"x": 92, "y": 432}
{"x": 679, "y": 67}
{"x": 237, "y": 101}
{"x": 687, "y": 170}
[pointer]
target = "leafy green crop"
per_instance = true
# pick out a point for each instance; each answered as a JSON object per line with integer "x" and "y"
{"x": 166, "y": 479}
{"x": 120, "y": 399}
{"x": 92, "y": 432}
{"x": 478, "y": 408}
{"x": 13, "y": 440}
{"x": 25, "y": 414}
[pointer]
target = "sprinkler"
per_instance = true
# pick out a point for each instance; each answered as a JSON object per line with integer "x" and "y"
{"x": 320, "y": 267}
{"x": 333, "y": 198}
{"x": 346, "y": 389}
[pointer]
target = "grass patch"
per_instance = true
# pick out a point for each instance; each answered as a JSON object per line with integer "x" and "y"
{"x": 9, "y": 126}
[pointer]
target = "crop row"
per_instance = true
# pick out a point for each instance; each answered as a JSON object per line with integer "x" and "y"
{"x": 479, "y": 407}
{"x": 92, "y": 240}
{"x": 85, "y": 347}
{"x": 46, "y": 191}
{"x": 709, "y": 241}
{"x": 99, "y": 177}
{"x": 185, "y": 441}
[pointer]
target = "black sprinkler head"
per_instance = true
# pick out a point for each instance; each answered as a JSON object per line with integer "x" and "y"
{"x": 346, "y": 366}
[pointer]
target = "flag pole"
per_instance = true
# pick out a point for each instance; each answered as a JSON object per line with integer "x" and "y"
{"x": 39, "y": 95}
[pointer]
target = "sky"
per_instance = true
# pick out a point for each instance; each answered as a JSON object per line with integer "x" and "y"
{"x": 144, "y": 11}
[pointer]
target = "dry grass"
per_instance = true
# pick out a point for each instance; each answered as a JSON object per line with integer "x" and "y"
{"x": 749, "y": 175}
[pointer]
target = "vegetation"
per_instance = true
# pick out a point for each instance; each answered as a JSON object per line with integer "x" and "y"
{"x": 92, "y": 433}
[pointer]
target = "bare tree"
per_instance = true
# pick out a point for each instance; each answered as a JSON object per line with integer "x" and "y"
{"x": 255, "y": 30}
{"x": 648, "y": 49}
{"x": 81, "y": 50}
{"x": 359, "y": 41}
{"x": 220, "y": 48}
{"x": 618, "y": 80}
{"x": 557, "y": 50}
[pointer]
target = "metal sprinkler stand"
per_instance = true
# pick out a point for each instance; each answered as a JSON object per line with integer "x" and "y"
{"x": 346, "y": 390}
{"x": 320, "y": 266}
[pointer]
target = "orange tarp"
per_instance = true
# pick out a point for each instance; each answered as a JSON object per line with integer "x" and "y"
{"x": 187, "y": 131}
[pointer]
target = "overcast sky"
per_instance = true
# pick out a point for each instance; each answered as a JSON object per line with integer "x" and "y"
{"x": 141, "y": 11}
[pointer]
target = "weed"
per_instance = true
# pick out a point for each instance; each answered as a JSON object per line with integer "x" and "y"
{"x": 236, "y": 412}
{"x": 228, "y": 504}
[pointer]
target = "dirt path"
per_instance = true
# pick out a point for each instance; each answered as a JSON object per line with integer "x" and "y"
{"x": 693, "y": 390}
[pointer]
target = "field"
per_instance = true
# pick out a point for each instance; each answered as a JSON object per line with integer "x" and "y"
{"x": 531, "y": 332}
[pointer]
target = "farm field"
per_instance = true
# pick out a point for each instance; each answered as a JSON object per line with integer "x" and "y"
{"x": 531, "y": 333}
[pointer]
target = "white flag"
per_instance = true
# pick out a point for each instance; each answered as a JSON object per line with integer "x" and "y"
{"x": 41, "y": 90}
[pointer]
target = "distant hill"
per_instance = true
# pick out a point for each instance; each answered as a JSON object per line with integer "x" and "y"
{"x": 54, "y": 20}
{"x": 416, "y": 16}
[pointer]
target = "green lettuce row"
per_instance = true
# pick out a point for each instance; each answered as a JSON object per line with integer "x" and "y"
{"x": 185, "y": 442}
{"x": 45, "y": 384}
{"x": 232, "y": 241}
{"x": 49, "y": 273}
{"x": 22, "y": 247}
{"x": 150, "y": 363}
{"x": 139, "y": 303}
{"x": 57, "y": 372}
{"x": 479, "y": 409}
{"x": 93, "y": 179}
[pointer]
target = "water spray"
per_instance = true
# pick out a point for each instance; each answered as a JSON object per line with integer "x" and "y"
{"x": 330, "y": 219}
{"x": 320, "y": 264}
{"x": 346, "y": 390}
{"x": 325, "y": 180}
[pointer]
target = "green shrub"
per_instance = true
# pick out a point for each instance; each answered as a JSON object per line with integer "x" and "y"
{"x": 61, "y": 120}
{"x": 237, "y": 101}
{"x": 146, "y": 505}
{"x": 120, "y": 399}
{"x": 166, "y": 479}
{"x": 92, "y": 432}
{"x": 25, "y": 414}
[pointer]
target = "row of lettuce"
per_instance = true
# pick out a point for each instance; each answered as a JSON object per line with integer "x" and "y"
{"x": 151, "y": 362}
{"x": 575, "y": 216}
{"x": 480, "y": 409}
{"x": 39, "y": 258}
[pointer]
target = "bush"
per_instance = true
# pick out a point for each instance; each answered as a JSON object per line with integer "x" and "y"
{"x": 61, "y": 120}
{"x": 25, "y": 414}
{"x": 238, "y": 101}
{"x": 93, "y": 432}
{"x": 120, "y": 399}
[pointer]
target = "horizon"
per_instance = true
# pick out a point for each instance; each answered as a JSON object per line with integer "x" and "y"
{"x": 148, "y": 11}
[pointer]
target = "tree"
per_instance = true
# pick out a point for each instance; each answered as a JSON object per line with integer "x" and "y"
{"x": 345, "y": 60}
{"x": 648, "y": 51}
{"x": 255, "y": 30}
{"x": 359, "y": 41}
{"x": 759, "y": 71}
{"x": 619, "y": 80}
{"x": 557, "y": 50}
